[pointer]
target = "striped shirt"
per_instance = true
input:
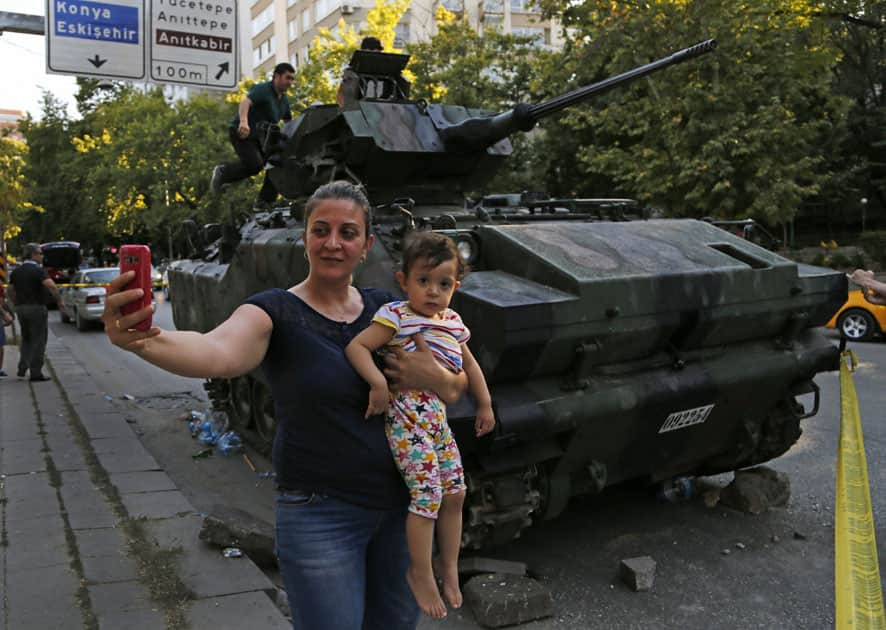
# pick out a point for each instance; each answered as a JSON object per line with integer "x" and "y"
{"x": 444, "y": 334}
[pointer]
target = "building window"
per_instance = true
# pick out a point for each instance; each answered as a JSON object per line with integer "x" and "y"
{"x": 401, "y": 35}
{"x": 492, "y": 21}
{"x": 293, "y": 59}
{"x": 325, "y": 7}
{"x": 493, "y": 6}
{"x": 456, "y": 6}
{"x": 260, "y": 22}
{"x": 305, "y": 57}
{"x": 536, "y": 34}
{"x": 523, "y": 6}
{"x": 291, "y": 2}
{"x": 264, "y": 51}
{"x": 292, "y": 25}
{"x": 305, "y": 20}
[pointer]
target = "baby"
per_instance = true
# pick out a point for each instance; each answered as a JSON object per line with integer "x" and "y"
{"x": 420, "y": 439}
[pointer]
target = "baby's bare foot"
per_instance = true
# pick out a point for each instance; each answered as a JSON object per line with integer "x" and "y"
{"x": 451, "y": 588}
{"x": 426, "y": 594}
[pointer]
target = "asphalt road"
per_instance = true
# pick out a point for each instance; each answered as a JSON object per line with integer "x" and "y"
{"x": 783, "y": 578}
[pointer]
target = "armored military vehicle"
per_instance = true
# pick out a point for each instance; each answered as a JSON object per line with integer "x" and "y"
{"x": 616, "y": 347}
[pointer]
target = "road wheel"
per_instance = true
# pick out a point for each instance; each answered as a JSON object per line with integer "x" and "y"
{"x": 263, "y": 412}
{"x": 856, "y": 324}
{"x": 241, "y": 402}
{"x": 81, "y": 323}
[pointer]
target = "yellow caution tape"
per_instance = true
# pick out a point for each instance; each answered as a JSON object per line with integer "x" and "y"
{"x": 859, "y": 596}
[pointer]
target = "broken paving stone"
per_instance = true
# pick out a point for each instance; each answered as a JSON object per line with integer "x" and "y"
{"x": 756, "y": 490}
{"x": 498, "y": 599}
{"x": 774, "y": 538}
{"x": 799, "y": 536}
{"x": 229, "y": 527}
{"x": 726, "y": 552}
{"x": 739, "y": 545}
{"x": 472, "y": 565}
{"x": 638, "y": 573}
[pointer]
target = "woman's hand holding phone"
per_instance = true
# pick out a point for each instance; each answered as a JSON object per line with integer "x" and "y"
{"x": 121, "y": 328}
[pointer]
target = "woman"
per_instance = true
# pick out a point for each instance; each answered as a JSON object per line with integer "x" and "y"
{"x": 341, "y": 506}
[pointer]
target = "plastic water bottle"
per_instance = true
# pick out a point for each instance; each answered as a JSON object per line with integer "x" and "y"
{"x": 229, "y": 444}
{"x": 207, "y": 433}
{"x": 196, "y": 418}
{"x": 676, "y": 490}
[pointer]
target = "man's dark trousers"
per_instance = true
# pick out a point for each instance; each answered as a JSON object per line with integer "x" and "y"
{"x": 252, "y": 161}
{"x": 34, "y": 322}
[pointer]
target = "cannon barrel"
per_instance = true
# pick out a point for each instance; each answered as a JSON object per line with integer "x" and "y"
{"x": 478, "y": 133}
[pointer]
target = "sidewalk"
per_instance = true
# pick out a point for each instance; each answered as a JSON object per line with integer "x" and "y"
{"x": 94, "y": 533}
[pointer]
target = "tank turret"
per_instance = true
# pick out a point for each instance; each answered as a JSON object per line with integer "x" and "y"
{"x": 615, "y": 349}
{"x": 400, "y": 148}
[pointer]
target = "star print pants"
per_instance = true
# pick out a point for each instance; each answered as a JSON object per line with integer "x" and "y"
{"x": 424, "y": 450}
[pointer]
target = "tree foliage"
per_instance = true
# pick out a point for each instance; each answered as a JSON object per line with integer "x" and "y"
{"x": 735, "y": 133}
{"x": 789, "y": 110}
{"x": 15, "y": 201}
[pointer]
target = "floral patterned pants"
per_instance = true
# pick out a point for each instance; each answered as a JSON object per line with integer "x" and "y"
{"x": 424, "y": 450}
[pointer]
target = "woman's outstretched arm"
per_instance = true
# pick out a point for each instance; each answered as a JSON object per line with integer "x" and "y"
{"x": 234, "y": 347}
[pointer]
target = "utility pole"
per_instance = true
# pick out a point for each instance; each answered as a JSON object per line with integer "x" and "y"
{"x": 21, "y": 23}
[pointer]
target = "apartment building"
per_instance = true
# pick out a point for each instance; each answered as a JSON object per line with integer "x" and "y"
{"x": 9, "y": 120}
{"x": 282, "y": 30}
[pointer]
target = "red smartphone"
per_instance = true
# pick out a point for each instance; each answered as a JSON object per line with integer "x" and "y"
{"x": 137, "y": 258}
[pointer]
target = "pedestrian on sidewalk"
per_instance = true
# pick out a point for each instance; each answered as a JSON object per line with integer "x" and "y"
{"x": 341, "y": 506}
{"x": 6, "y": 319}
{"x": 264, "y": 103}
{"x": 874, "y": 291}
{"x": 28, "y": 286}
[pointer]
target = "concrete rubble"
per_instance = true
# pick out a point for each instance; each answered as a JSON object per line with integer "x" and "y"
{"x": 638, "y": 573}
{"x": 499, "y": 599}
{"x": 755, "y": 490}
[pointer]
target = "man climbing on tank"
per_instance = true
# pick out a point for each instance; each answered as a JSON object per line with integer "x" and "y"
{"x": 265, "y": 103}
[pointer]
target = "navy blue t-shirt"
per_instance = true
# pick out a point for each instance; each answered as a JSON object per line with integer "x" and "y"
{"x": 323, "y": 442}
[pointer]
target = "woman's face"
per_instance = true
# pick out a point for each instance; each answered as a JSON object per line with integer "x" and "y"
{"x": 335, "y": 240}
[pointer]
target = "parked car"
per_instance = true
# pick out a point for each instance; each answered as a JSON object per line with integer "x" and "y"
{"x": 84, "y": 304}
{"x": 61, "y": 259}
{"x": 858, "y": 319}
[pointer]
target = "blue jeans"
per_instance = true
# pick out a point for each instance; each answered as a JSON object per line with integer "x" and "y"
{"x": 343, "y": 566}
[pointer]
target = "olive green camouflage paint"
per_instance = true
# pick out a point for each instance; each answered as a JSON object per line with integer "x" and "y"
{"x": 614, "y": 349}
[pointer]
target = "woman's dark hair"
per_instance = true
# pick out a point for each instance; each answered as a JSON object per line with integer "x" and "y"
{"x": 433, "y": 247}
{"x": 340, "y": 190}
{"x": 282, "y": 67}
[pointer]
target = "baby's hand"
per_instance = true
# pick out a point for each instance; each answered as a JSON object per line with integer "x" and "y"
{"x": 485, "y": 421}
{"x": 378, "y": 401}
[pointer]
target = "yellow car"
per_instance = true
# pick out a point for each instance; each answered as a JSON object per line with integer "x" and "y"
{"x": 858, "y": 319}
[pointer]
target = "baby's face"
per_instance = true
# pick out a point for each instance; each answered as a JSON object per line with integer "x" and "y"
{"x": 429, "y": 289}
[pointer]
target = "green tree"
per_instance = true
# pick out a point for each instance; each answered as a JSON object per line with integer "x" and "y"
{"x": 53, "y": 177}
{"x": 858, "y": 150}
{"x": 735, "y": 133}
{"x": 15, "y": 201}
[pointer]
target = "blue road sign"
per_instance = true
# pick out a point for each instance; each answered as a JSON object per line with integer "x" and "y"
{"x": 96, "y": 39}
